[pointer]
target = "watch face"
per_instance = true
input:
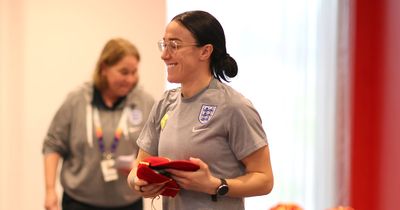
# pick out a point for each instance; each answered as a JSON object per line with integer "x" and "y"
{"x": 223, "y": 189}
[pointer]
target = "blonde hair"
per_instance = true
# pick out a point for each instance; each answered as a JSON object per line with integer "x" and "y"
{"x": 113, "y": 52}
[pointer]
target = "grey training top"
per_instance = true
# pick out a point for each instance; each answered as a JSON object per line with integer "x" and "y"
{"x": 81, "y": 175}
{"x": 218, "y": 125}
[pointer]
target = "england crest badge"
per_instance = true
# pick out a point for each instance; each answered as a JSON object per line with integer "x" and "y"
{"x": 206, "y": 113}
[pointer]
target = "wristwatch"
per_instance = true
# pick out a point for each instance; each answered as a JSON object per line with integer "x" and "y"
{"x": 221, "y": 190}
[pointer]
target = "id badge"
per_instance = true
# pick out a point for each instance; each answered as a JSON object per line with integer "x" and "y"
{"x": 108, "y": 169}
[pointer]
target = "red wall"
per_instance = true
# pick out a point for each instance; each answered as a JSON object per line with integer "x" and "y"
{"x": 375, "y": 126}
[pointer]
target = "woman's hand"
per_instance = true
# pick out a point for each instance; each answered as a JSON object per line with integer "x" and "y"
{"x": 143, "y": 188}
{"x": 140, "y": 186}
{"x": 51, "y": 200}
{"x": 200, "y": 180}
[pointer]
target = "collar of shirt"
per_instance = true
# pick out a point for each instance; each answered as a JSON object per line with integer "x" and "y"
{"x": 98, "y": 101}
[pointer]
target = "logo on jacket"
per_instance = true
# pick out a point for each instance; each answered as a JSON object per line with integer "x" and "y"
{"x": 136, "y": 117}
{"x": 206, "y": 113}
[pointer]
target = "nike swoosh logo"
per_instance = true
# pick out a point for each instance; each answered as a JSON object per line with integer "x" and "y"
{"x": 195, "y": 130}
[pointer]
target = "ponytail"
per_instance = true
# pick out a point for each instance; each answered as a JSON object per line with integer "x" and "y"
{"x": 224, "y": 68}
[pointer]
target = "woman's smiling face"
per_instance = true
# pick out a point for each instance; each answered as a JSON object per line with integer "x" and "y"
{"x": 181, "y": 61}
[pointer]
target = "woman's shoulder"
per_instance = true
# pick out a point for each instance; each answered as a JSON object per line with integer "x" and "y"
{"x": 84, "y": 90}
{"x": 172, "y": 93}
{"x": 168, "y": 99}
{"x": 232, "y": 98}
{"x": 236, "y": 105}
{"x": 77, "y": 97}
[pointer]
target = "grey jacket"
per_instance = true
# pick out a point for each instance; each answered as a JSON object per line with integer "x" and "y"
{"x": 71, "y": 134}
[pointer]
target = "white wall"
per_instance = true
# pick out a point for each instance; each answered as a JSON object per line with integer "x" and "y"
{"x": 46, "y": 49}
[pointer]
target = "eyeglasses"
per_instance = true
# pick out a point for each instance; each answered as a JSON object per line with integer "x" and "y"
{"x": 173, "y": 45}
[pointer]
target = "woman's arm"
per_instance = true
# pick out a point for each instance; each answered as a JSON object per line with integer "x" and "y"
{"x": 50, "y": 166}
{"x": 258, "y": 179}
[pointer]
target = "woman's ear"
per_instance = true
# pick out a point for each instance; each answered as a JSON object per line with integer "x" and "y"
{"x": 206, "y": 51}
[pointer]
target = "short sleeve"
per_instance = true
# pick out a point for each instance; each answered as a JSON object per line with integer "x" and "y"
{"x": 246, "y": 134}
{"x": 149, "y": 137}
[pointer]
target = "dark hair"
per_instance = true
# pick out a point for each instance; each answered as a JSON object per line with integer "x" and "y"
{"x": 207, "y": 30}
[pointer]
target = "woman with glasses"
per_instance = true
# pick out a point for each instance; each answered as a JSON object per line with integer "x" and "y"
{"x": 94, "y": 132}
{"x": 204, "y": 121}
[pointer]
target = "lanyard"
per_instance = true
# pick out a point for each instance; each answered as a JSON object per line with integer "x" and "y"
{"x": 121, "y": 127}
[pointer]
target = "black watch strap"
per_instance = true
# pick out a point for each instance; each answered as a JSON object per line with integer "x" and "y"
{"x": 221, "y": 190}
{"x": 214, "y": 198}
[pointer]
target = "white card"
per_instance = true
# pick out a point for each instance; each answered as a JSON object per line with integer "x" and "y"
{"x": 109, "y": 172}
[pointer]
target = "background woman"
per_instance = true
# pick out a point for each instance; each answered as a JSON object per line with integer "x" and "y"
{"x": 95, "y": 132}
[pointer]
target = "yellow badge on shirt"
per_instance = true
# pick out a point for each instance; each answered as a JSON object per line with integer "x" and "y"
{"x": 164, "y": 120}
